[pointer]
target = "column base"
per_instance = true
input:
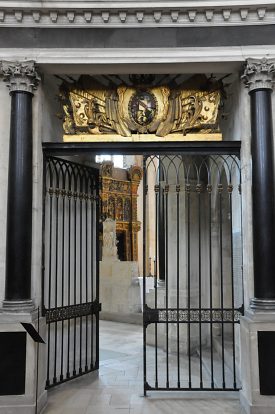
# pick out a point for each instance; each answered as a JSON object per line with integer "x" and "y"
{"x": 262, "y": 304}
{"x": 20, "y": 405}
{"x": 257, "y": 408}
{"x": 18, "y": 305}
{"x": 254, "y": 401}
{"x": 27, "y": 376}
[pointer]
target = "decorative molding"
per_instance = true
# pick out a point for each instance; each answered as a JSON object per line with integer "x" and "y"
{"x": 262, "y": 304}
{"x": 20, "y": 76}
{"x": 140, "y": 108}
{"x": 222, "y": 59}
{"x": 202, "y": 315}
{"x": 148, "y": 14}
{"x": 17, "y": 306}
{"x": 259, "y": 74}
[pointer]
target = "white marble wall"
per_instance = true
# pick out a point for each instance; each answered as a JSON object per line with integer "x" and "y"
{"x": 37, "y": 195}
{"x": 236, "y": 126}
{"x": 52, "y": 130}
{"x": 119, "y": 290}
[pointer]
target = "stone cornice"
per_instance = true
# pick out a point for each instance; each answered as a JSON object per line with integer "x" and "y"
{"x": 259, "y": 74}
{"x": 20, "y": 76}
{"x": 135, "y": 13}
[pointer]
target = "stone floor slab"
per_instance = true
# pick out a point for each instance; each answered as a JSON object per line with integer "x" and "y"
{"x": 118, "y": 387}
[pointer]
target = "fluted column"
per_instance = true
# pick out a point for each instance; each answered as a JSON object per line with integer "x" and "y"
{"x": 22, "y": 79}
{"x": 258, "y": 77}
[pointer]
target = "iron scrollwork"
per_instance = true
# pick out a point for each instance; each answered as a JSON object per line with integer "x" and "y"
{"x": 200, "y": 315}
{"x": 63, "y": 313}
{"x": 192, "y": 315}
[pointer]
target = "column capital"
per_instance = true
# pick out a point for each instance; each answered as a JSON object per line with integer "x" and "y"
{"x": 20, "y": 76}
{"x": 259, "y": 74}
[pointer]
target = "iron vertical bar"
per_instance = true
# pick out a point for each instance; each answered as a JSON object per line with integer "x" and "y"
{"x": 166, "y": 284}
{"x": 97, "y": 269}
{"x": 62, "y": 277}
{"x": 86, "y": 275}
{"x": 188, "y": 189}
{"x": 230, "y": 189}
{"x": 75, "y": 269}
{"x": 80, "y": 269}
{"x": 161, "y": 224}
{"x": 57, "y": 190}
{"x": 178, "y": 285}
{"x": 156, "y": 279}
{"x": 221, "y": 271}
{"x": 199, "y": 225}
{"x": 50, "y": 190}
{"x": 80, "y": 277}
{"x": 92, "y": 275}
{"x": 144, "y": 272}
{"x": 156, "y": 326}
{"x": 209, "y": 189}
{"x": 45, "y": 163}
{"x": 69, "y": 276}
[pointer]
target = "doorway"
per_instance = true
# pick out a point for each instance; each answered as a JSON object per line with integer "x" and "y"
{"x": 191, "y": 315}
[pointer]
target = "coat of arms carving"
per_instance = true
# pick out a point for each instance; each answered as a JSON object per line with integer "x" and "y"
{"x": 94, "y": 112}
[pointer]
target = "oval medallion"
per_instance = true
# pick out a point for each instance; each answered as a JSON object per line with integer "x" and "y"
{"x": 142, "y": 107}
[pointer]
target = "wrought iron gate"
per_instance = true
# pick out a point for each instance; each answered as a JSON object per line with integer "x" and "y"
{"x": 70, "y": 268}
{"x": 193, "y": 250}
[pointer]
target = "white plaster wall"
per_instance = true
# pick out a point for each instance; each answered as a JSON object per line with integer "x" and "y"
{"x": 231, "y": 121}
{"x": 4, "y": 160}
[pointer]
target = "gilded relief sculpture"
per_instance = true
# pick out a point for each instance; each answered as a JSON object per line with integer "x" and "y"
{"x": 140, "y": 112}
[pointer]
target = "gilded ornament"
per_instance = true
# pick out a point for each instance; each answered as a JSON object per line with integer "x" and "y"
{"x": 138, "y": 112}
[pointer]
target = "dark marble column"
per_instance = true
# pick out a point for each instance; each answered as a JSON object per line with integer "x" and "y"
{"x": 258, "y": 76}
{"x": 21, "y": 79}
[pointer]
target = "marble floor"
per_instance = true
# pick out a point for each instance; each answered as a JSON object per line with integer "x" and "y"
{"x": 117, "y": 389}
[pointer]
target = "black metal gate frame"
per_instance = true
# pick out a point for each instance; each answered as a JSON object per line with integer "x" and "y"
{"x": 84, "y": 311}
{"x": 159, "y": 148}
{"x": 190, "y": 316}
{"x": 144, "y": 148}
